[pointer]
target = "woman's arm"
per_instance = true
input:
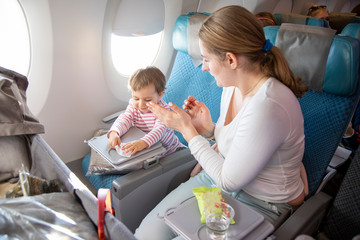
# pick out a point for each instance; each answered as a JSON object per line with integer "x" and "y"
{"x": 303, "y": 176}
{"x": 200, "y": 116}
{"x": 195, "y": 120}
{"x": 176, "y": 119}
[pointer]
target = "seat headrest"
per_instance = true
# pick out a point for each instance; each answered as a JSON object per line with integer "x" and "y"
{"x": 304, "y": 54}
{"x": 352, "y": 30}
{"x": 338, "y": 20}
{"x": 185, "y": 35}
{"x": 300, "y": 19}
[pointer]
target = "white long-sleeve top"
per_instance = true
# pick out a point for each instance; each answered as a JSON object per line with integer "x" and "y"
{"x": 147, "y": 122}
{"x": 261, "y": 149}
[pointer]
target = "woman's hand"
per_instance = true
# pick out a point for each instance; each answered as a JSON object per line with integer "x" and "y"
{"x": 176, "y": 119}
{"x": 196, "y": 170}
{"x": 200, "y": 116}
{"x": 114, "y": 139}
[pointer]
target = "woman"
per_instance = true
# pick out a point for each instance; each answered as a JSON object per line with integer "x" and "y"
{"x": 267, "y": 18}
{"x": 260, "y": 132}
{"x": 318, "y": 11}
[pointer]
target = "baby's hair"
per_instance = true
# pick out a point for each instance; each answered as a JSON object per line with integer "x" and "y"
{"x": 145, "y": 76}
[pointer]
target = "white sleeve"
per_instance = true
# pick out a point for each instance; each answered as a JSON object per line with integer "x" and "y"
{"x": 259, "y": 133}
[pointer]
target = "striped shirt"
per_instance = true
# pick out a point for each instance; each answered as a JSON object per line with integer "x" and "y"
{"x": 154, "y": 129}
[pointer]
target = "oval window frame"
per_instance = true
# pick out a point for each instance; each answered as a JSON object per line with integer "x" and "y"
{"x": 15, "y": 49}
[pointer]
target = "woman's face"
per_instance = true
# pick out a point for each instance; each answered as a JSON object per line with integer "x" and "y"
{"x": 215, "y": 67}
{"x": 321, "y": 13}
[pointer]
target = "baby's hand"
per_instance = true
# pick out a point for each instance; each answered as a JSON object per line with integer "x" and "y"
{"x": 135, "y": 146}
{"x": 114, "y": 139}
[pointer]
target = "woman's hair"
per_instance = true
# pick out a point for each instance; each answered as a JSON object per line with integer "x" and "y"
{"x": 356, "y": 10}
{"x": 145, "y": 76}
{"x": 267, "y": 18}
{"x": 234, "y": 29}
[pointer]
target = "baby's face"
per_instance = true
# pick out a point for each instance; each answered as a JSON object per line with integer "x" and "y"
{"x": 145, "y": 95}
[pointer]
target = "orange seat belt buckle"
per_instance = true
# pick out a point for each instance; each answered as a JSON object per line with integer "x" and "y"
{"x": 104, "y": 204}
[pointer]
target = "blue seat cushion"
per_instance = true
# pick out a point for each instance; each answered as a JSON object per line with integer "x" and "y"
{"x": 187, "y": 80}
{"x": 324, "y": 124}
{"x": 98, "y": 180}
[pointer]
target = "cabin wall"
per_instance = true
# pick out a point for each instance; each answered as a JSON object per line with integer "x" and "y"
{"x": 78, "y": 96}
{"x": 71, "y": 87}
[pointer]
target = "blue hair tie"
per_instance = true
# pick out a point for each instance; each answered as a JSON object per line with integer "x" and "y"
{"x": 267, "y": 46}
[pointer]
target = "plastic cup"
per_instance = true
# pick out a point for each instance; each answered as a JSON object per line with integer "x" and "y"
{"x": 218, "y": 217}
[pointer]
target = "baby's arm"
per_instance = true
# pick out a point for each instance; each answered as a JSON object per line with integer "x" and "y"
{"x": 114, "y": 139}
{"x": 156, "y": 133}
{"x": 123, "y": 122}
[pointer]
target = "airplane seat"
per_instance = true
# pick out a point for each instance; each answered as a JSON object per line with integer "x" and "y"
{"x": 187, "y": 77}
{"x": 352, "y": 30}
{"x": 300, "y": 19}
{"x": 343, "y": 220}
{"x": 350, "y": 143}
{"x": 332, "y": 72}
{"x": 136, "y": 193}
{"x": 338, "y": 20}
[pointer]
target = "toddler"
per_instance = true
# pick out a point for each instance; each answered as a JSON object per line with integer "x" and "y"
{"x": 146, "y": 85}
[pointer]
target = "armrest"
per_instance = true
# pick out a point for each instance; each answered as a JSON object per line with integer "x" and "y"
{"x": 306, "y": 219}
{"x": 341, "y": 155}
{"x": 330, "y": 173}
{"x": 128, "y": 183}
{"x": 135, "y": 194}
{"x": 112, "y": 117}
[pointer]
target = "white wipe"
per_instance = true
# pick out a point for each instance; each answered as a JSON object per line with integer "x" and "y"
{"x": 122, "y": 152}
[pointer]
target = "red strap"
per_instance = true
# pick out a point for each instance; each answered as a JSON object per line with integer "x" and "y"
{"x": 104, "y": 203}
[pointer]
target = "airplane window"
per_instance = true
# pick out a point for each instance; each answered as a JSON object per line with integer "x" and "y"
{"x": 14, "y": 41}
{"x": 130, "y": 53}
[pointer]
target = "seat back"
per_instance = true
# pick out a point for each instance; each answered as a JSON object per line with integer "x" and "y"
{"x": 338, "y": 20}
{"x": 343, "y": 219}
{"x": 136, "y": 193}
{"x": 331, "y": 100}
{"x": 352, "y": 30}
{"x": 187, "y": 77}
{"x": 300, "y": 19}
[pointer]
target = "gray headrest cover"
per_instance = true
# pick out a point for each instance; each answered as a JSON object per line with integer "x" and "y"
{"x": 195, "y": 23}
{"x": 306, "y": 49}
{"x": 293, "y": 18}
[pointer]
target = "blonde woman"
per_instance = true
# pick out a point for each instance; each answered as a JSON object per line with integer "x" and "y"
{"x": 260, "y": 131}
{"x": 318, "y": 11}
